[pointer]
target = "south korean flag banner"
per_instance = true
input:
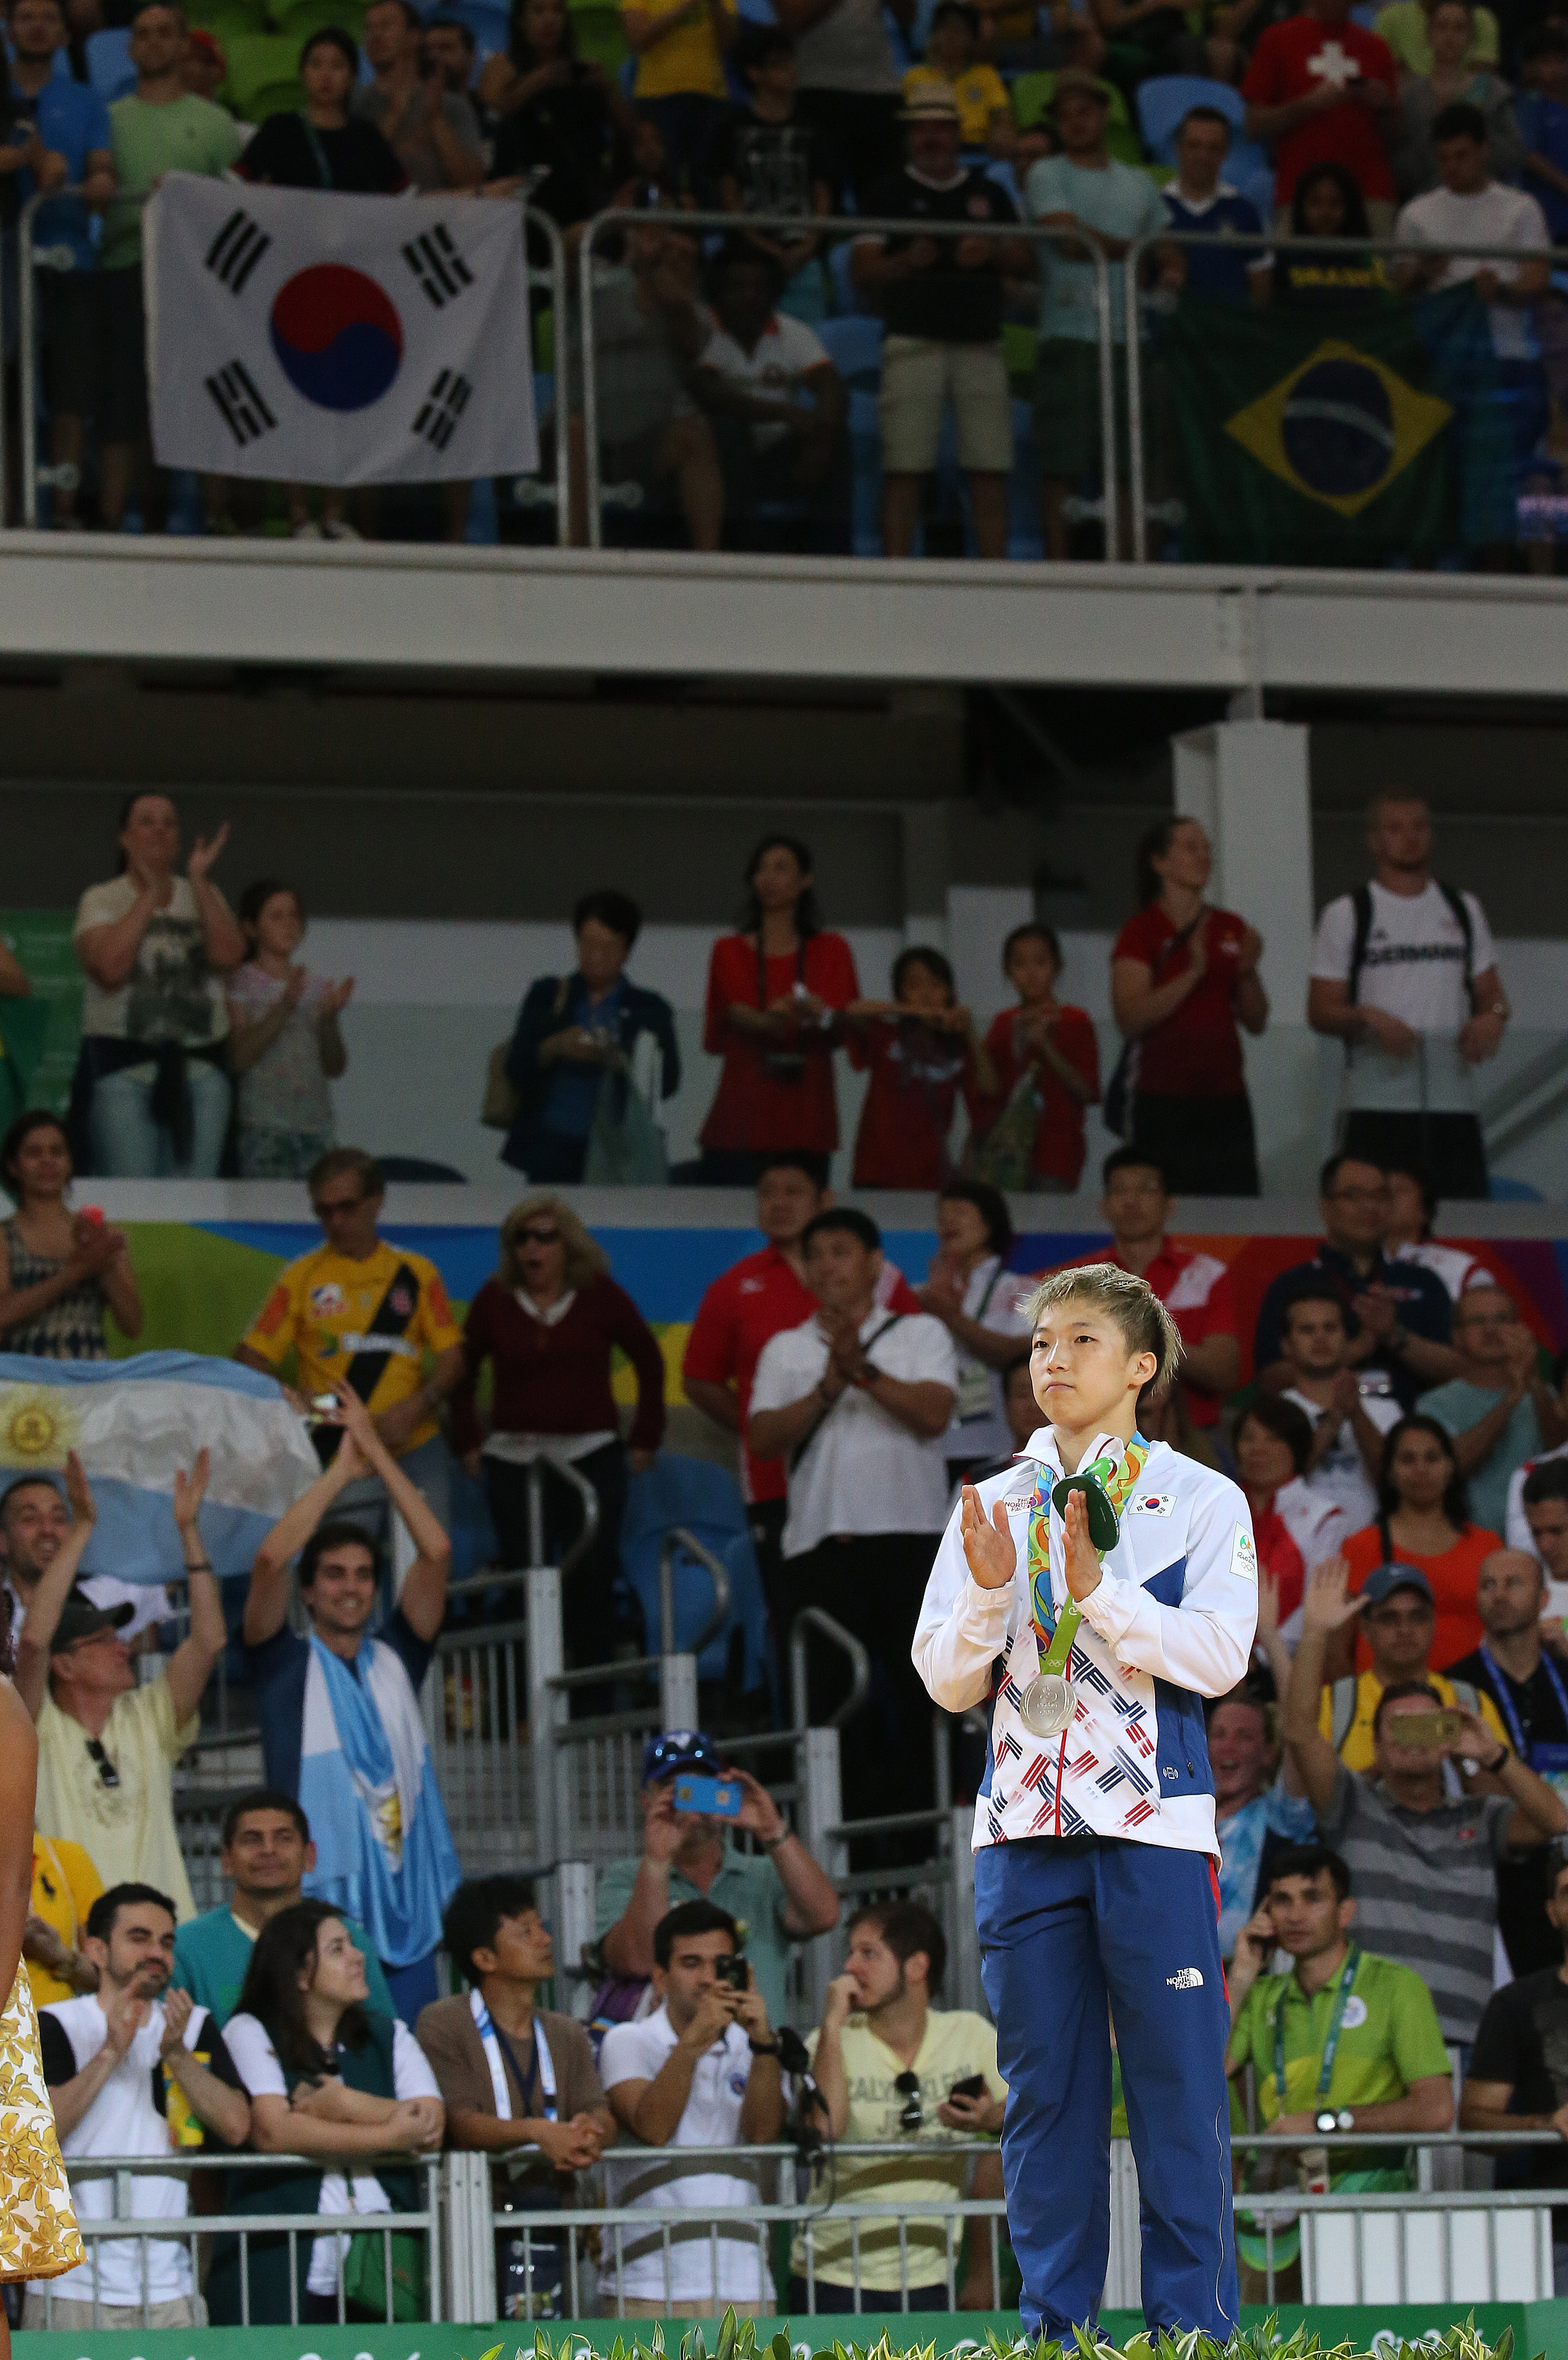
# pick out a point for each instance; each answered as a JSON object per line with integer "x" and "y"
{"x": 317, "y": 338}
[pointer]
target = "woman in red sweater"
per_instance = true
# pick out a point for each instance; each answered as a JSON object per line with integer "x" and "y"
{"x": 548, "y": 1322}
{"x": 774, "y": 992}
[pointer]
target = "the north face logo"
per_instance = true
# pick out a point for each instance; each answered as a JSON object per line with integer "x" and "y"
{"x": 1185, "y": 1978}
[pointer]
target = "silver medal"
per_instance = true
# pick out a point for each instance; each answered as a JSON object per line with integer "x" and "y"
{"x": 1048, "y": 1705}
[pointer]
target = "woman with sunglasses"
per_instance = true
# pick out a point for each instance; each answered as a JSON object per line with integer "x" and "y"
{"x": 548, "y": 1322}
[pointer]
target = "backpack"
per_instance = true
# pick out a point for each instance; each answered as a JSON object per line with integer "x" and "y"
{"x": 1361, "y": 902}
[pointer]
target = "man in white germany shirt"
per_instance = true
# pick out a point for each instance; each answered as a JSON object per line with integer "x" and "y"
{"x": 1094, "y": 1829}
{"x": 857, "y": 1400}
{"x": 133, "y": 2069}
{"x": 703, "y": 2070}
{"x": 1404, "y": 973}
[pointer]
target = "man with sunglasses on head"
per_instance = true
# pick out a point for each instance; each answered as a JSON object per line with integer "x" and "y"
{"x": 361, "y": 1312}
{"x": 891, "y": 2067}
{"x": 106, "y": 1746}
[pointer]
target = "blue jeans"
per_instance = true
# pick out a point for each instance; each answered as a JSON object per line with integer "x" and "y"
{"x": 127, "y": 1144}
{"x": 1063, "y": 1927}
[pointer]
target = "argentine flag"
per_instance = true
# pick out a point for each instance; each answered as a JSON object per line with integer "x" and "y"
{"x": 132, "y": 1423}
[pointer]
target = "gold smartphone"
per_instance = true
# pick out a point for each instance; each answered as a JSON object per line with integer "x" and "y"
{"x": 1440, "y": 1728}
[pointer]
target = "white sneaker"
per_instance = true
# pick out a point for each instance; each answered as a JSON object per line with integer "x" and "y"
{"x": 308, "y": 530}
{"x": 339, "y": 529}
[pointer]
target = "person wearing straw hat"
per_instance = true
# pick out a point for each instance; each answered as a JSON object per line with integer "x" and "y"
{"x": 940, "y": 299}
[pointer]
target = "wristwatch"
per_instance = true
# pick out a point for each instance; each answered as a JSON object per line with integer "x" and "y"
{"x": 1330, "y": 2121}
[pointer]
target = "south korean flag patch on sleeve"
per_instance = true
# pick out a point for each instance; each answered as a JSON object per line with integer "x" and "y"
{"x": 1243, "y": 1555}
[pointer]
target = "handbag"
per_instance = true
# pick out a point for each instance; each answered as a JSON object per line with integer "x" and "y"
{"x": 500, "y": 1105}
{"x": 1116, "y": 1108}
{"x": 1005, "y": 1155}
{"x": 364, "y": 2274}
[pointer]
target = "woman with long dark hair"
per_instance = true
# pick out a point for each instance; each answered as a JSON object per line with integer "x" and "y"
{"x": 1424, "y": 1520}
{"x": 774, "y": 992}
{"x": 60, "y": 1270}
{"x": 1183, "y": 975}
{"x": 1327, "y": 203}
{"x": 331, "y": 2079}
{"x": 150, "y": 1100}
{"x": 559, "y": 113}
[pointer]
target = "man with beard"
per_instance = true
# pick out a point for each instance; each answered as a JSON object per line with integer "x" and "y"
{"x": 131, "y": 2071}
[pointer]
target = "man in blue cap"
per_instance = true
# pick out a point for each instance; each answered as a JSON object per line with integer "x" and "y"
{"x": 776, "y": 1899}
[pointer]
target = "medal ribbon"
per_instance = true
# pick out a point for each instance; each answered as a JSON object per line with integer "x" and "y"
{"x": 1054, "y": 1634}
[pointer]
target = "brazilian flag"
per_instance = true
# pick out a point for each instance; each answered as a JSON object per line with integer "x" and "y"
{"x": 1341, "y": 434}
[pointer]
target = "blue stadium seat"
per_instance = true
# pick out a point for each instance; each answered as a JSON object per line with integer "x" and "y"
{"x": 704, "y": 1499}
{"x": 109, "y": 67}
{"x": 1164, "y": 99}
{"x": 486, "y": 20}
{"x": 854, "y": 344}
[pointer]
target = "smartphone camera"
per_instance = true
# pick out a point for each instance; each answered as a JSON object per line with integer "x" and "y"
{"x": 971, "y": 2086}
{"x": 733, "y": 1972}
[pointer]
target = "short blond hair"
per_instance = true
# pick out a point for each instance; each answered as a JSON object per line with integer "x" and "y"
{"x": 586, "y": 1258}
{"x": 1129, "y": 1301}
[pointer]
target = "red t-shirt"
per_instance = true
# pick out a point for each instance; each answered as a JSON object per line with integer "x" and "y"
{"x": 917, "y": 1076}
{"x": 1278, "y": 1555}
{"x": 1452, "y": 1578}
{"x": 1303, "y": 55}
{"x": 758, "y": 1297}
{"x": 1196, "y": 1290}
{"x": 752, "y": 1107}
{"x": 1196, "y": 1052}
{"x": 1059, "y": 1136}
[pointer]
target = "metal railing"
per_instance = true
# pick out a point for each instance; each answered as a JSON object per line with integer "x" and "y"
{"x": 126, "y": 2227}
{"x": 830, "y": 227}
{"x": 1138, "y": 302}
{"x": 61, "y": 258}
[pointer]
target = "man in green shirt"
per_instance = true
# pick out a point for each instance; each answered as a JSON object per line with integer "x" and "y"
{"x": 1344, "y": 2042}
{"x": 266, "y": 1854}
{"x": 162, "y": 127}
{"x": 777, "y": 1897}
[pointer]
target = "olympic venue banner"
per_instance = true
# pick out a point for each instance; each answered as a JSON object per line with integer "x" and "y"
{"x": 328, "y": 339}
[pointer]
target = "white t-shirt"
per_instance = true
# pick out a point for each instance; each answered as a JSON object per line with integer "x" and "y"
{"x": 1339, "y": 1478}
{"x": 1494, "y": 217}
{"x": 995, "y": 1298}
{"x": 1517, "y": 1532}
{"x": 124, "y": 2119}
{"x": 861, "y": 1471}
{"x": 1456, "y": 1269}
{"x": 173, "y": 994}
{"x": 1415, "y": 970}
{"x": 786, "y": 352}
{"x": 256, "y": 2061}
{"x": 637, "y": 2052}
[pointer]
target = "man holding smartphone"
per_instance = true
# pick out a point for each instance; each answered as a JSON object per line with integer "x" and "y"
{"x": 1422, "y": 1855}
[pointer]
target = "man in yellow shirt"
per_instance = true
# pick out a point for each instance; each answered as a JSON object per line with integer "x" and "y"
{"x": 890, "y": 2065}
{"x": 363, "y": 1313}
{"x": 953, "y": 64}
{"x": 65, "y": 1887}
{"x": 1397, "y": 1620}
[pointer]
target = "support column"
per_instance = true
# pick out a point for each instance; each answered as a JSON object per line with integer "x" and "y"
{"x": 1248, "y": 782}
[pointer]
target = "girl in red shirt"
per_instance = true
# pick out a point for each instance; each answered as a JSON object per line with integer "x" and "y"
{"x": 1182, "y": 975}
{"x": 920, "y": 1051}
{"x": 773, "y": 991}
{"x": 1050, "y": 1046}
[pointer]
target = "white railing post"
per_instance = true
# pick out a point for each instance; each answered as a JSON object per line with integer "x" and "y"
{"x": 966, "y": 1987}
{"x": 470, "y": 2246}
{"x": 546, "y": 1705}
{"x": 677, "y": 1692}
{"x": 821, "y": 1807}
{"x": 1123, "y": 2274}
{"x": 574, "y": 1930}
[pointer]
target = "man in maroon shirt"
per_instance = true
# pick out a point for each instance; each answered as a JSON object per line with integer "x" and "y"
{"x": 1323, "y": 90}
{"x": 756, "y": 1298}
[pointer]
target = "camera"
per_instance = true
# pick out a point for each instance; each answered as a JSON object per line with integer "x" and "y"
{"x": 734, "y": 1972}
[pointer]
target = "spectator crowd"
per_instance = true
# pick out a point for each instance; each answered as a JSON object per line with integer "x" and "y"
{"x": 1011, "y": 153}
{"x": 1389, "y": 1777}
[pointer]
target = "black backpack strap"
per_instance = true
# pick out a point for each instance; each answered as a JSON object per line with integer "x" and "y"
{"x": 1461, "y": 919}
{"x": 1360, "y": 903}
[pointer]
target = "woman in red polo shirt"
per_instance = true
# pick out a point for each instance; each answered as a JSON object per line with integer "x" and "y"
{"x": 1424, "y": 1520}
{"x": 773, "y": 993}
{"x": 1183, "y": 975}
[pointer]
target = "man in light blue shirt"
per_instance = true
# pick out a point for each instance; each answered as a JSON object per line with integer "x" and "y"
{"x": 1499, "y": 1409}
{"x": 1084, "y": 187}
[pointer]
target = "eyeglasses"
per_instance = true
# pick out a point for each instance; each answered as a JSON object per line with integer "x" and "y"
{"x": 106, "y": 1768}
{"x": 911, "y": 2115}
{"x": 326, "y": 1208}
{"x": 539, "y": 1236}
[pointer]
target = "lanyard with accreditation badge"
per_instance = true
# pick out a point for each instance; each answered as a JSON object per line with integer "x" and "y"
{"x": 1047, "y": 1702}
{"x": 1549, "y": 1760}
{"x": 1336, "y": 2023}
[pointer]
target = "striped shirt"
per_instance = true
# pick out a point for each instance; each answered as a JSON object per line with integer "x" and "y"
{"x": 1425, "y": 1886}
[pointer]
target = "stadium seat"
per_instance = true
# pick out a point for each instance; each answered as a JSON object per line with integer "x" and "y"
{"x": 485, "y": 19}
{"x": 704, "y": 1499}
{"x": 301, "y": 19}
{"x": 229, "y": 20}
{"x": 1032, "y": 96}
{"x": 601, "y": 41}
{"x": 109, "y": 67}
{"x": 264, "y": 76}
{"x": 419, "y": 1171}
{"x": 1164, "y": 99}
{"x": 854, "y": 344}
